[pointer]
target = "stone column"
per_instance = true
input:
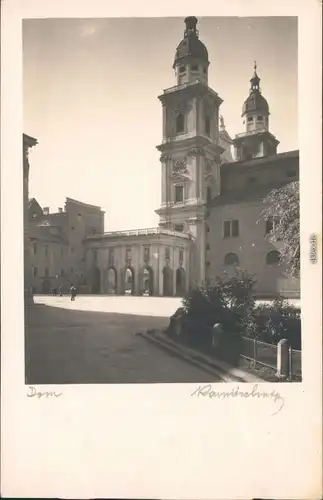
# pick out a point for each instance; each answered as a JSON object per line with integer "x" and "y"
{"x": 28, "y": 142}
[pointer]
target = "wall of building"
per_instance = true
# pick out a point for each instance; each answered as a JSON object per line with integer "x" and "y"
{"x": 62, "y": 233}
{"x": 48, "y": 265}
{"x": 251, "y": 247}
{"x": 82, "y": 220}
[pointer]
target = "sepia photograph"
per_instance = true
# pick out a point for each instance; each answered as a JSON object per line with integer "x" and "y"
{"x": 161, "y": 249}
{"x": 161, "y": 200}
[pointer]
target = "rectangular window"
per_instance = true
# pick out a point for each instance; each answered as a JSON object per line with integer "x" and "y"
{"x": 230, "y": 228}
{"x": 235, "y": 228}
{"x": 259, "y": 118}
{"x": 269, "y": 226}
{"x": 227, "y": 229}
{"x": 179, "y": 227}
{"x": 62, "y": 272}
{"x": 35, "y": 248}
{"x": 146, "y": 254}
{"x": 46, "y": 272}
{"x": 167, "y": 253}
{"x": 128, "y": 254}
{"x": 95, "y": 255}
{"x": 208, "y": 193}
{"x": 181, "y": 256}
{"x": 111, "y": 257}
{"x": 35, "y": 272}
{"x": 46, "y": 250}
{"x": 250, "y": 118}
{"x": 179, "y": 194}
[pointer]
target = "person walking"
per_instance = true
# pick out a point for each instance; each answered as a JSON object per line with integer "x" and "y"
{"x": 61, "y": 291}
{"x": 73, "y": 292}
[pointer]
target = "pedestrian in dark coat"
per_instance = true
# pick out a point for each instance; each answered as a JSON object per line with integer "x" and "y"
{"x": 73, "y": 292}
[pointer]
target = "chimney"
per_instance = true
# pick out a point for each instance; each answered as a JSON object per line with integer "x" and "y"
{"x": 46, "y": 210}
{"x": 60, "y": 210}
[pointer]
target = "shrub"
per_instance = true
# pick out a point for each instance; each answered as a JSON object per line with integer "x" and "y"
{"x": 249, "y": 326}
{"x": 223, "y": 301}
{"x": 278, "y": 320}
{"x": 230, "y": 302}
{"x": 238, "y": 290}
{"x": 204, "y": 305}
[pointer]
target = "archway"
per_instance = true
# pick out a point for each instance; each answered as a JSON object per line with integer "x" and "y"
{"x": 45, "y": 288}
{"x": 231, "y": 259}
{"x": 96, "y": 280}
{"x": 112, "y": 281}
{"x": 167, "y": 282}
{"x": 180, "y": 282}
{"x": 147, "y": 281}
{"x": 273, "y": 258}
{"x": 129, "y": 281}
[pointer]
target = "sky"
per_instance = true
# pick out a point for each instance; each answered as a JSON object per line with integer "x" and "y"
{"x": 90, "y": 99}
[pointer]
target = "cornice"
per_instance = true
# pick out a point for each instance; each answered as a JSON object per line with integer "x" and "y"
{"x": 254, "y": 136}
{"x": 170, "y": 145}
{"x": 192, "y": 89}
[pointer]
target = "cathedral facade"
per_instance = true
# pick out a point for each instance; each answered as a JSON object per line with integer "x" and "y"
{"x": 212, "y": 191}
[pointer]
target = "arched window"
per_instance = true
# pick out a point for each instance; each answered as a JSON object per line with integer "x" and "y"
{"x": 207, "y": 125}
{"x": 273, "y": 258}
{"x": 231, "y": 259}
{"x": 180, "y": 124}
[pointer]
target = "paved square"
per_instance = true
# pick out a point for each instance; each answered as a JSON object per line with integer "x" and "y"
{"x": 92, "y": 340}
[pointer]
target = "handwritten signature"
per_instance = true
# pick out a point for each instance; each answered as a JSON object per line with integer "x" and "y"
{"x": 206, "y": 391}
{"x": 37, "y": 394}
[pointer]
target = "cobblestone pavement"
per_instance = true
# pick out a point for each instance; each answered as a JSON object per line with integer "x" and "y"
{"x": 71, "y": 344}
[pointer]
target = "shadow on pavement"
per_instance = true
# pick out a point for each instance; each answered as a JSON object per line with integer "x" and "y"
{"x": 63, "y": 346}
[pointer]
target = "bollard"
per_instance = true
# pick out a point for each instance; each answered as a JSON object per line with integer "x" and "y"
{"x": 283, "y": 359}
{"x": 216, "y": 334}
{"x": 290, "y": 354}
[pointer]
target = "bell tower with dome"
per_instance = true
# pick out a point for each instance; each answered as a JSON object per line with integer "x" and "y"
{"x": 190, "y": 150}
{"x": 256, "y": 141}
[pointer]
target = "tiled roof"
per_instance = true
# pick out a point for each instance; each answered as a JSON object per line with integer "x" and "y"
{"x": 255, "y": 162}
{"x": 249, "y": 194}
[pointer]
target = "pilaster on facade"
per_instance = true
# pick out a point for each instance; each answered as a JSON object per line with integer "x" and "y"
{"x": 28, "y": 143}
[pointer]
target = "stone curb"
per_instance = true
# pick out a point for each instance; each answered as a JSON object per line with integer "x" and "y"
{"x": 215, "y": 367}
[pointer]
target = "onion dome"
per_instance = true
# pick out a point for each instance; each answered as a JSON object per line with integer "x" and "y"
{"x": 191, "y": 46}
{"x": 255, "y": 101}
